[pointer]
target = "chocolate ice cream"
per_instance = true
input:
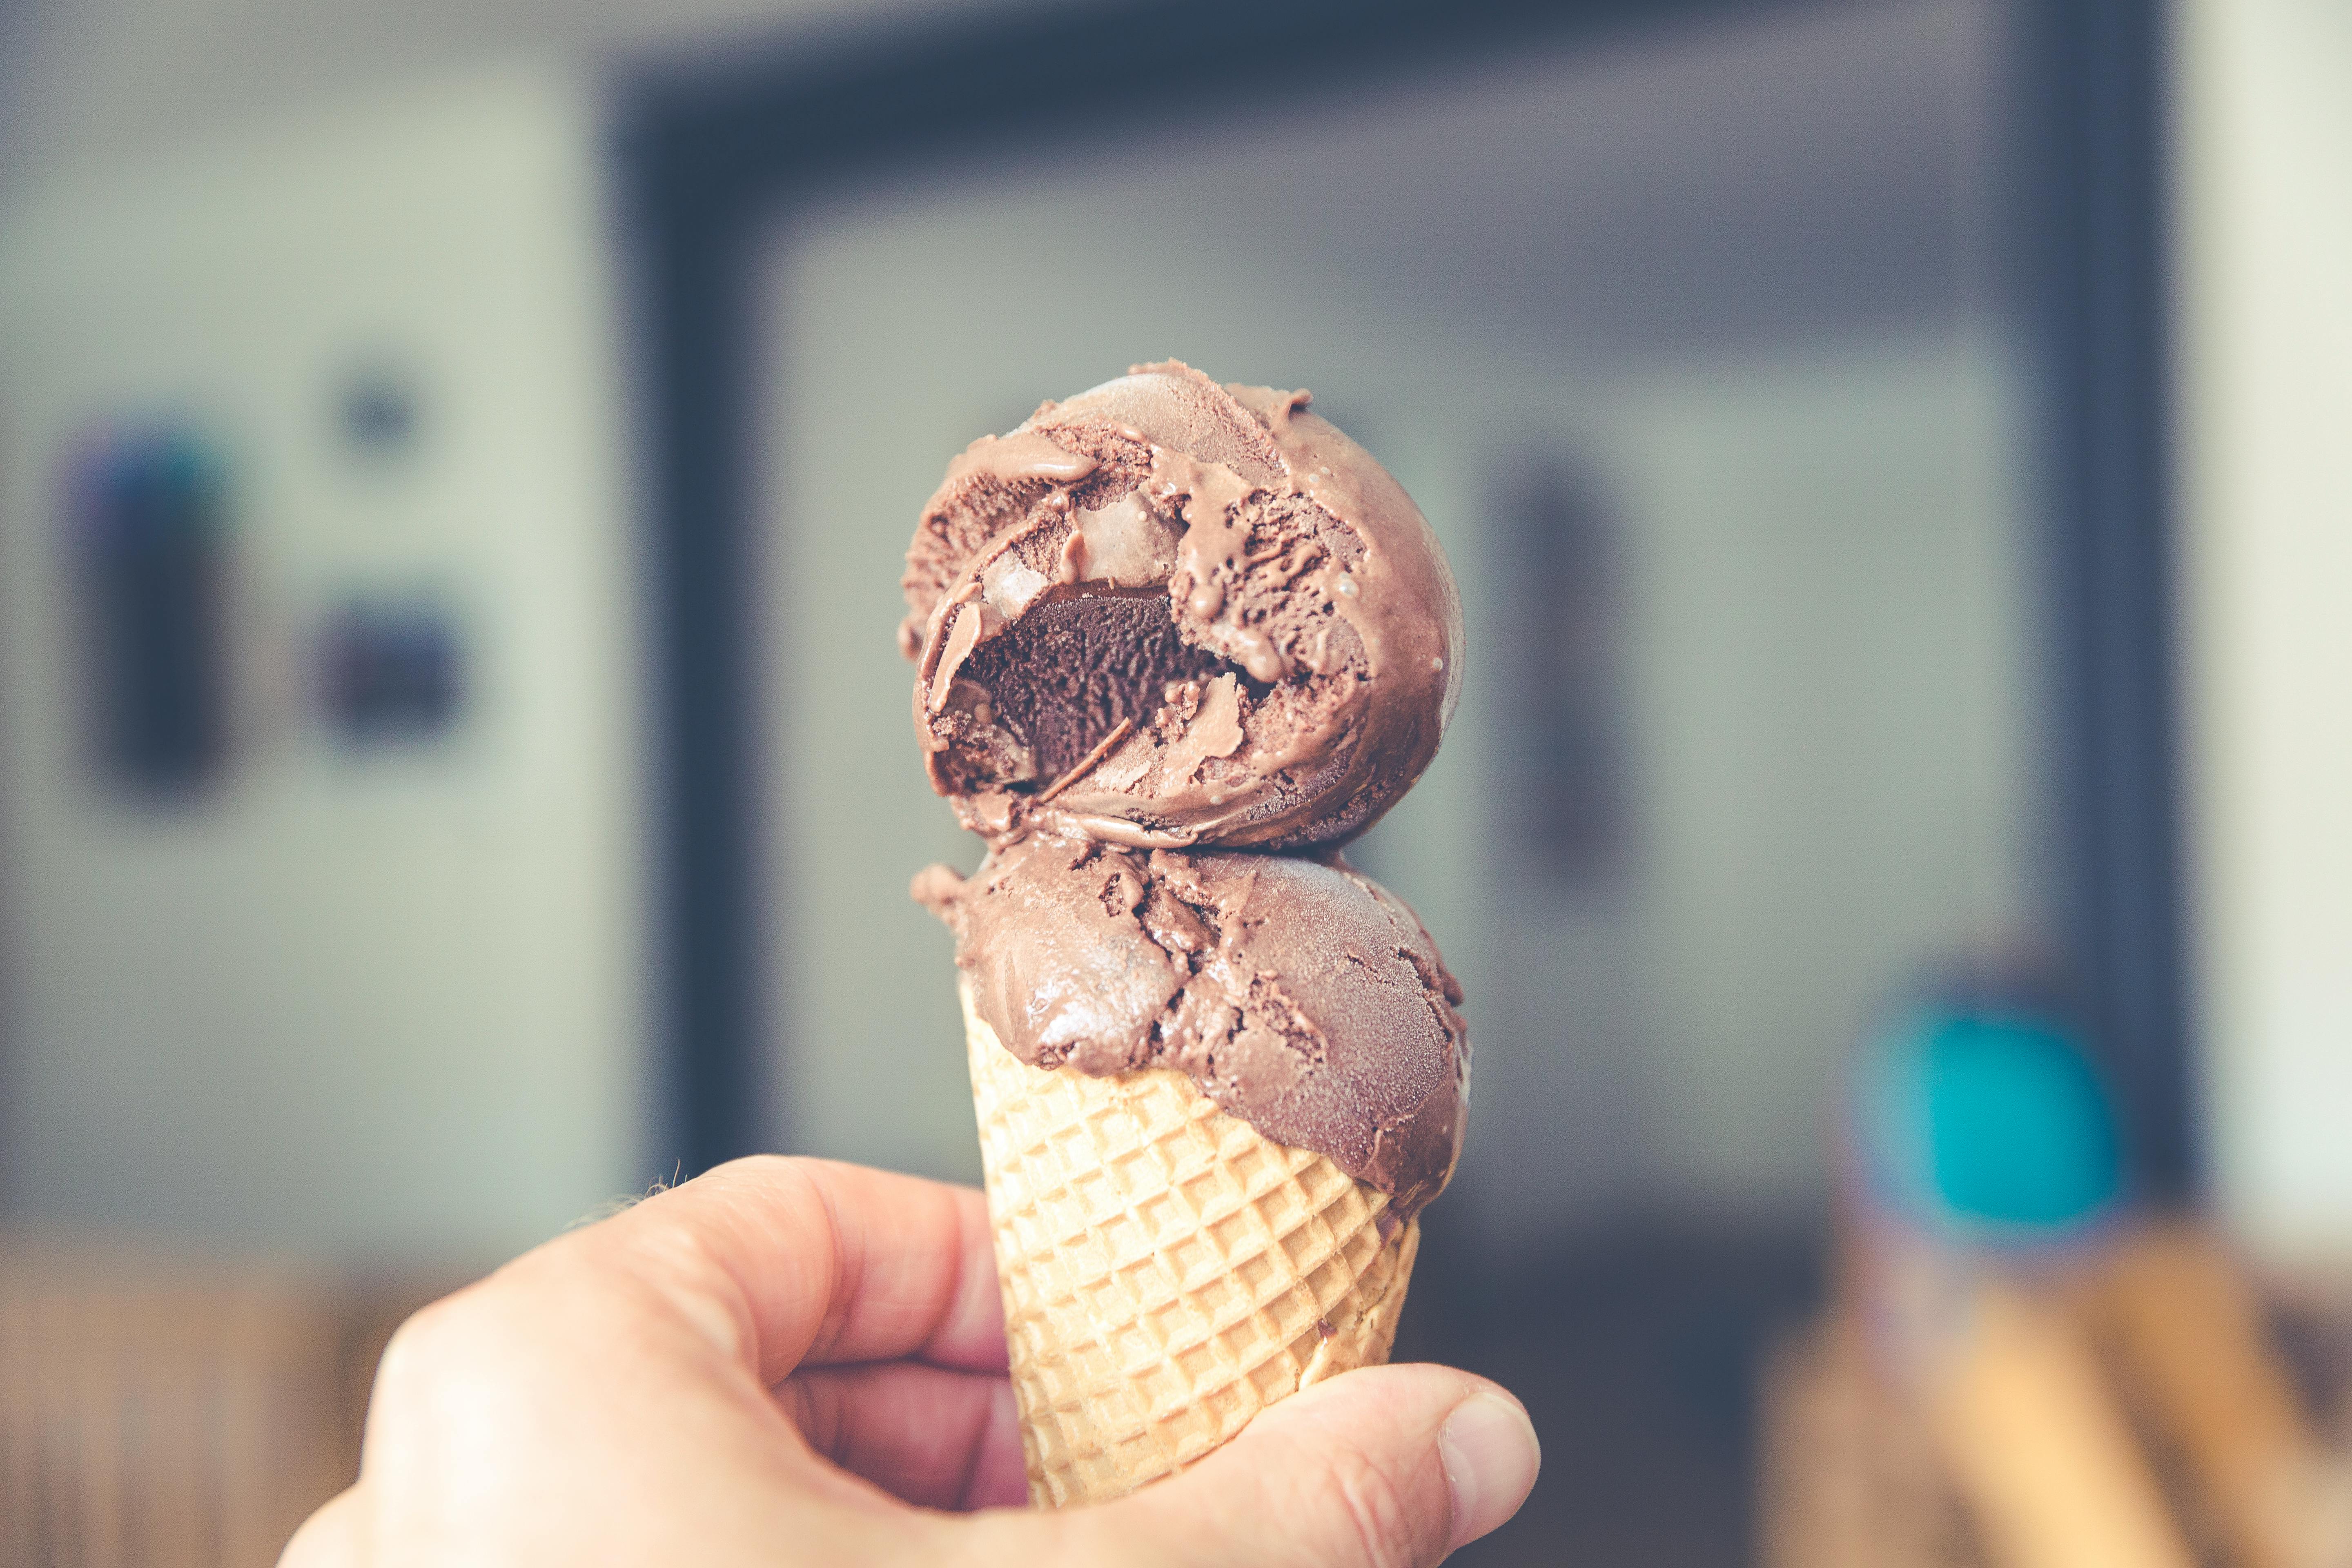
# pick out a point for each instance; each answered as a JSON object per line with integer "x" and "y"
{"x": 1169, "y": 614}
{"x": 1299, "y": 995}
{"x": 1175, "y": 644}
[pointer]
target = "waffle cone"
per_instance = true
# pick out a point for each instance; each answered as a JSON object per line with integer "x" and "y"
{"x": 1168, "y": 1271}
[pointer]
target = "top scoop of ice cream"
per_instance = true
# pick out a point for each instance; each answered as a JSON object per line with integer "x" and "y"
{"x": 1168, "y": 612}
{"x": 1299, "y": 995}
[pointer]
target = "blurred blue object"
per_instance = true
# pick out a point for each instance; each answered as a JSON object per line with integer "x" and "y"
{"x": 1989, "y": 1122}
{"x": 148, "y": 512}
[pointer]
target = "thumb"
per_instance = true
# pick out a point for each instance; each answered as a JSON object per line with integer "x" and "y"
{"x": 1387, "y": 1466}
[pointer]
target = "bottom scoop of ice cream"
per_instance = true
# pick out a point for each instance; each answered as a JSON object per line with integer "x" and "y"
{"x": 1299, "y": 995}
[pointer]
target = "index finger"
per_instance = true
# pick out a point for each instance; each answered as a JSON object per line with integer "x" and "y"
{"x": 793, "y": 1262}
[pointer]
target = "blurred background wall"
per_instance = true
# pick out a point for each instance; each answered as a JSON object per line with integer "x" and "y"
{"x": 1726, "y": 292}
{"x": 336, "y": 943}
{"x": 114, "y": 79}
{"x": 333, "y": 812}
{"x": 2265, "y": 126}
{"x": 1785, "y": 447}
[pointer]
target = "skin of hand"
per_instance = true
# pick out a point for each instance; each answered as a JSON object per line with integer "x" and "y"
{"x": 793, "y": 1360}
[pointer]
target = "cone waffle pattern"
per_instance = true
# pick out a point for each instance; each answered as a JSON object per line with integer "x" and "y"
{"x": 1168, "y": 1271}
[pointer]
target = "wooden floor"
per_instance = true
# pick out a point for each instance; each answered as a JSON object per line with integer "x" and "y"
{"x": 1637, "y": 1351}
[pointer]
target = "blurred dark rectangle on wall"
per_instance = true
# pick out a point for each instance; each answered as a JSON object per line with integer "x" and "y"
{"x": 1565, "y": 661}
{"x": 148, "y": 514}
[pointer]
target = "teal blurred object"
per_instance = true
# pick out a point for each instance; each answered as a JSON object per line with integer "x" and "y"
{"x": 1991, "y": 1124}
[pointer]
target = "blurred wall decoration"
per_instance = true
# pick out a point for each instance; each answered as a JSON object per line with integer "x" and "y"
{"x": 151, "y": 541}
{"x": 321, "y": 831}
{"x": 1563, "y": 633}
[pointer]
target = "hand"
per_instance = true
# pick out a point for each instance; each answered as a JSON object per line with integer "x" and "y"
{"x": 793, "y": 1360}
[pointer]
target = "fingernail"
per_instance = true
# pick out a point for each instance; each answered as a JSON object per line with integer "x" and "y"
{"x": 1489, "y": 1451}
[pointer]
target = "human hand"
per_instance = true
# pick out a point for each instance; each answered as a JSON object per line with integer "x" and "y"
{"x": 795, "y": 1360}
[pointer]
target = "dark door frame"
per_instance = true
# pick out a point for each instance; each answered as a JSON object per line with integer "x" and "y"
{"x": 709, "y": 160}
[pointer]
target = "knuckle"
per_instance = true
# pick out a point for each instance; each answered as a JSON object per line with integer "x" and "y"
{"x": 681, "y": 1279}
{"x": 325, "y": 1538}
{"x": 994, "y": 1539}
{"x": 458, "y": 1382}
{"x": 419, "y": 1346}
{"x": 1075, "y": 1537}
{"x": 1377, "y": 1508}
{"x": 433, "y": 1341}
{"x": 764, "y": 1167}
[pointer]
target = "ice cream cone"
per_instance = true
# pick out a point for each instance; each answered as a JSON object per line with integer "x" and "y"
{"x": 1168, "y": 1271}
